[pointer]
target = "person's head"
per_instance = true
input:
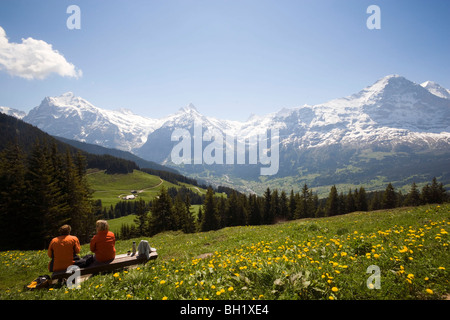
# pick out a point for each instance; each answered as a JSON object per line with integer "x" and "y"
{"x": 65, "y": 230}
{"x": 102, "y": 225}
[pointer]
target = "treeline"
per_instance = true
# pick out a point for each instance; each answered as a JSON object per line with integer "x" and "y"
{"x": 162, "y": 214}
{"x": 216, "y": 212}
{"x": 172, "y": 177}
{"x": 39, "y": 192}
{"x": 387, "y": 199}
{"x": 110, "y": 164}
{"x": 127, "y": 207}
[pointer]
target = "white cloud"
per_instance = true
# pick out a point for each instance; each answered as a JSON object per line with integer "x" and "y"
{"x": 33, "y": 59}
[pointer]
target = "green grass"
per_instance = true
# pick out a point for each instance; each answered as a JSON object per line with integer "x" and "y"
{"x": 115, "y": 224}
{"x": 110, "y": 188}
{"x": 323, "y": 258}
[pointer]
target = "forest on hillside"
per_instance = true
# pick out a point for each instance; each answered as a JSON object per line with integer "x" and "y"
{"x": 173, "y": 212}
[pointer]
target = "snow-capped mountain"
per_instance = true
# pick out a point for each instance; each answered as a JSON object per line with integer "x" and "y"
{"x": 393, "y": 109}
{"x": 436, "y": 89}
{"x": 75, "y": 118}
{"x": 13, "y": 112}
{"x": 391, "y": 114}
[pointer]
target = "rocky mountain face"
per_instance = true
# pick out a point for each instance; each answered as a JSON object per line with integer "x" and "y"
{"x": 393, "y": 117}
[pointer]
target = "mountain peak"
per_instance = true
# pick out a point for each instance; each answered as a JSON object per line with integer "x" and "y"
{"x": 436, "y": 89}
{"x": 189, "y": 108}
{"x": 67, "y": 94}
{"x": 393, "y": 79}
{"x": 387, "y": 85}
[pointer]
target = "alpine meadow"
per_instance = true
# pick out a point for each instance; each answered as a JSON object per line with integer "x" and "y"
{"x": 225, "y": 158}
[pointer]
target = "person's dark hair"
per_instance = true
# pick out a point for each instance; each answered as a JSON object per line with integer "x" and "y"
{"x": 65, "y": 230}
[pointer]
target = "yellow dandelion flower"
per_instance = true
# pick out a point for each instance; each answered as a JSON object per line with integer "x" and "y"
{"x": 334, "y": 289}
{"x": 164, "y": 298}
{"x": 403, "y": 250}
{"x": 230, "y": 289}
{"x": 429, "y": 291}
{"x": 162, "y": 282}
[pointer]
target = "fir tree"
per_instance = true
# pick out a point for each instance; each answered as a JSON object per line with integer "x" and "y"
{"x": 284, "y": 206}
{"x": 141, "y": 219}
{"x": 350, "y": 202}
{"x": 232, "y": 210}
{"x": 361, "y": 200}
{"x": 254, "y": 217}
{"x": 78, "y": 197}
{"x": 342, "y": 203}
{"x": 332, "y": 203}
{"x": 209, "y": 220}
{"x": 274, "y": 207}
{"x": 292, "y": 205}
{"x": 48, "y": 209}
{"x": 161, "y": 213}
{"x": 304, "y": 205}
{"x": 188, "y": 221}
{"x": 222, "y": 212}
{"x": 179, "y": 212}
{"x": 438, "y": 193}
{"x": 375, "y": 202}
{"x": 267, "y": 211}
{"x": 242, "y": 210}
{"x": 413, "y": 197}
{"x": 389, "y": 197}
{"x": 13, "y": 197}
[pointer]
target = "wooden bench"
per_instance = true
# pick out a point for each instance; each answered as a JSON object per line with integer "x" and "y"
{"x": 120, "y": 261}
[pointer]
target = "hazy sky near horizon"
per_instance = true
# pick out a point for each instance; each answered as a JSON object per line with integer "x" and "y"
{"x": 230, "y": 58}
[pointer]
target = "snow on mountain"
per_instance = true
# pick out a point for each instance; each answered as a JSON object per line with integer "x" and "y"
{"x": 436, "y": 89}
{"x": 392, "y": 110}
{"x": 12, "y": 112}
{"x": 75, "y": 118}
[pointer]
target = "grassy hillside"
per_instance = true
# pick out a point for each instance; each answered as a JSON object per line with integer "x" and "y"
{"x": 323, "y": 258}
{"x": 110, "y": 188}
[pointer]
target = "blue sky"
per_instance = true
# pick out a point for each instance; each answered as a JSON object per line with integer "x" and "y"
{"x": 229, "y": 58}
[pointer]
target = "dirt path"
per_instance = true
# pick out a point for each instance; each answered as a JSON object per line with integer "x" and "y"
{"x": 161, "y": 181}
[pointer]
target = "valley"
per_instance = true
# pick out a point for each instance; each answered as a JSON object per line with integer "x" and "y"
{"x": 393, "y": 130}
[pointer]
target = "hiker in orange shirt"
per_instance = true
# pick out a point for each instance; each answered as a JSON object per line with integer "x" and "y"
{"x": 102, "y": 244}
{"x": 62, "y": 249}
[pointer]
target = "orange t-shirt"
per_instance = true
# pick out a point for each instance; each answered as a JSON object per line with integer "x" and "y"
{"x": 61, "y": 250}
{"x": 102, "y": 244}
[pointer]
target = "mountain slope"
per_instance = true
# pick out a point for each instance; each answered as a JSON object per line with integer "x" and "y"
{"x": 354, "y": 139}
{"x": 76, "y": 118}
